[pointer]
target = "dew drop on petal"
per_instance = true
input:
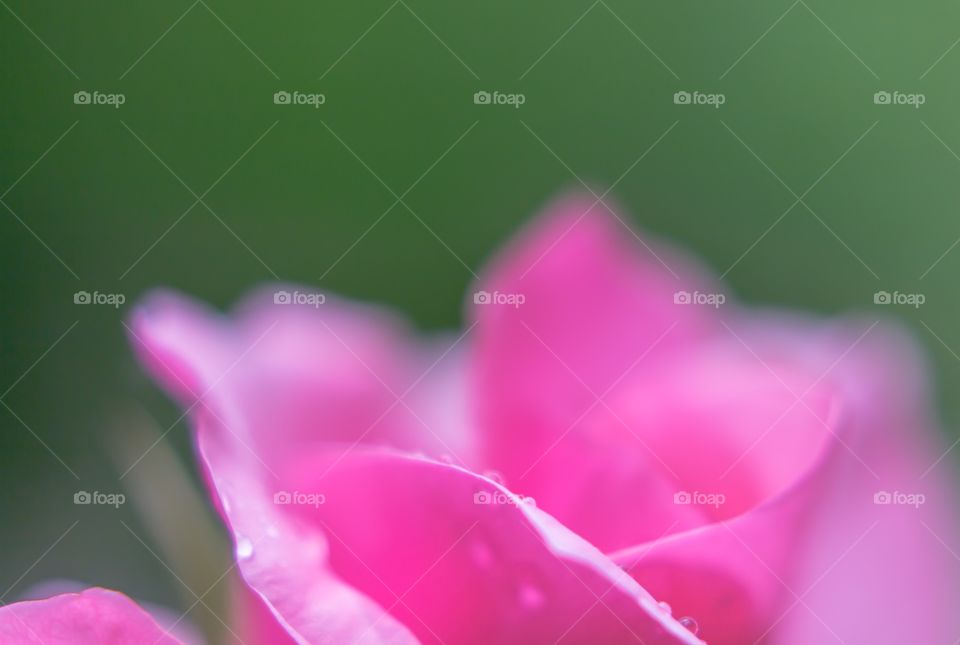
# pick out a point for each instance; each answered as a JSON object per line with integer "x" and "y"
{"x": 664, "y": 606}
{"x": 690, "y": 624}
{"x": 531, "y": 597}
{"x": 244, "y": 547}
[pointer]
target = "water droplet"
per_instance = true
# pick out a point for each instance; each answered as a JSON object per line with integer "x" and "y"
{"x": 495, "y": 476}
{"x": 448, "y": 459}
{"x": 665, "y": 607}
{"x": 690, "y": 624}
{"x": 244, "y": 547}
{"x": 531, "y": 597}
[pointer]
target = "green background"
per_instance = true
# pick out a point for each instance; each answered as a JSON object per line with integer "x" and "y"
{"x": 399, "y": 79}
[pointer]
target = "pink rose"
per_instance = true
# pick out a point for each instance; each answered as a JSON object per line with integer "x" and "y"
{"x": 700, "y": 470}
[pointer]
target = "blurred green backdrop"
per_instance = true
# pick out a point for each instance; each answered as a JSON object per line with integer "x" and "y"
{"x": 99, "y": 198}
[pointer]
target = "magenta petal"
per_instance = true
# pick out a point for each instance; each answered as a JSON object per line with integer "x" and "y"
{"x": 594, "y": 301}
{"x": 879, "y": 561}
{"x": 255, "y": 387}
{"x": 94, "y": 616}
{"x": 288, "y": 367}
{"x": 375, "y": 546}
{"x": 598, "y": 305}
{"x": 821, "y": 560}
{"x": 285, "y": 564}
{"x": 459, "y": 559}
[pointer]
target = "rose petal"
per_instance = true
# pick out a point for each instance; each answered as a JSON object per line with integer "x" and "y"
{"x": 873, "y": 571}
{"x": 595, "y": 303}
{"x": 795, "y": 569}
{"x": 285, "y": 366}
{"x": 381, "y": 548}
{"x": 459, "y": 559}
{"x": 599, "y": 308}
{"x": 251, "y": 620}
{"x": 171, "y": 621}
{"x": 257, "y": 381}
{"x": 729, "y": 431}
{"x": 93, "y": 616}
{"x": 286, "y": 565}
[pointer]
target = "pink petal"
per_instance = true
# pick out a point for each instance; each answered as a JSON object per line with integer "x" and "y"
{"x": 251, "y": 620}
{"x": 594, "y": 301}
{"x": 876, "y": 573}
{"x": 598, "y": 306}
{"x": 284, "y": 563}
{"x": 872, "y": 570}
{"x": 284, "y": 367}
{"x": 171, "y": 621}
{"x": 261, "y": 382}
{"x": 413, "y": 536}
{"x": 93, "y": 616}
{"x": 727, "y": 432}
